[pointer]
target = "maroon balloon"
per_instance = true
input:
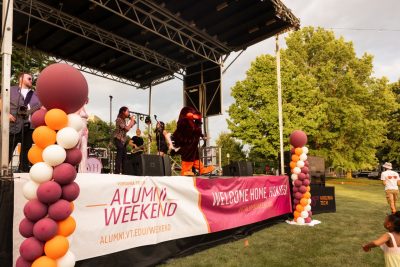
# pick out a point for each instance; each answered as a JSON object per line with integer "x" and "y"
{"x": 295, "y": 189}
{"x": 298, "y": 195}
{"x": 307, "y": 176}
{"x": 38, "y": 118}
{"x": 306, "y": 182}
{"x": 64, "y": 173}
{"x": 35, "y": 210}
{"x": 60, "y": 210}
{"x": 302, "y": 189}
{"x": 49, "y": 192}
{"x": 74, "y": 156}
{"x": 297, "y": 183}
{"x": 307, "y": 220}
{"x": 309, "y": 213}
{"x": 70, "y": 191}
{"x": 45, "y": 229}
{"x": 306, "y": 163}
{"x": 292, "y": 150}
{"x": 298, "y": 138}
{"x": 26, "y": 228}
{"x": 304, "y": 170}
{"x": 31, "y": 249}
{"x": 62, "y": 86}
{"x": 296, "y": 201}
{"x": 22, "y": 263}
{"x": 301, "y": 176}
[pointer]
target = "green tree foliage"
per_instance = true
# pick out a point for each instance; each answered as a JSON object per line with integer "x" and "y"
{"x": 229, "y": 145}
{"x": 328, "y": 92}
{"x": 100, "y": 133}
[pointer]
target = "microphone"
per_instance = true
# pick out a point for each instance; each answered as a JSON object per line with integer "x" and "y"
{"x": 155, "y": 117}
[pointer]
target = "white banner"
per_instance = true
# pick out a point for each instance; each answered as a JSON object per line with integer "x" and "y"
{"x": 118, "y": 212}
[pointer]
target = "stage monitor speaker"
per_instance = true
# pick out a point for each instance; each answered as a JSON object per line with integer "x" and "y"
{"x": 238, "y": 168}
{"x": 202, "y": 83}
{"x": 148, "y": 165}
{"x": 167, "y": 166}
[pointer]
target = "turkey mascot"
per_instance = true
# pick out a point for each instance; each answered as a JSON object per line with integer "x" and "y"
{"x": 187, "y": 137}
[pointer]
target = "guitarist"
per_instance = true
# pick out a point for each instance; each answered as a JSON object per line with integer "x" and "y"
{"x": 23, "y": 102}
{"x": 137, "y": 143}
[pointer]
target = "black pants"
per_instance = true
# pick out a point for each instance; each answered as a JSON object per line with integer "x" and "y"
{"x": 25, "y": 138}
{"x": 120, "y": 157}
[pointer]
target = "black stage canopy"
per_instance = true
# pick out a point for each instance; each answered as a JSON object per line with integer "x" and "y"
{"x": 145, "y": 42}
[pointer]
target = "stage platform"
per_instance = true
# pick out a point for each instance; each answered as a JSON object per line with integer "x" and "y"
{"x": 123, "y": 219}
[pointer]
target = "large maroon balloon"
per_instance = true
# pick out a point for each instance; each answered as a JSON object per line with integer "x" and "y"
{"x": 26, "y": 228}
{"x": 35, "y": 210}
{"x": 64, "y": 173}
{"x": 70, "y": 191}
{"x": 60, "y": 210}
{"x": 38, "y": 118}
{"x": 74, "y": 156}
{"x": 62, "y": 86}
{"x": 45, "y": 229}
{"x": 22, "y": 263}
{"x": 298, "y": 138}
{"x": 49, "y": 192}
{"x": 31, "y": 249}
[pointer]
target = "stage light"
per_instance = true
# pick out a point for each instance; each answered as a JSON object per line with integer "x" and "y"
{"x": 141, "y": 117}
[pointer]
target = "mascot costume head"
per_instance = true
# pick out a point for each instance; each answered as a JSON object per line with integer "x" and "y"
{"x": 187, "y": 137}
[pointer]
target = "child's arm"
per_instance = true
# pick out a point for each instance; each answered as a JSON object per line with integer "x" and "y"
{"x": 376, "y": 243}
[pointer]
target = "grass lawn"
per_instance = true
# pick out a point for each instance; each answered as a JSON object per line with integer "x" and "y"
{"x": 361, "y": 207}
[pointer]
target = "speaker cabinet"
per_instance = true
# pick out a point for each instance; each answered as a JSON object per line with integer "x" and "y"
{"x": 147, "y": 165}
{"x": 238, "y": 168}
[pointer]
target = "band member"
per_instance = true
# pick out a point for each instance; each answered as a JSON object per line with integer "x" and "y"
{"x": 120, "y": 137}
{"x": 137, "y": 143}
{"x": 23, "y": 102}
{"x": 163, "y": 139}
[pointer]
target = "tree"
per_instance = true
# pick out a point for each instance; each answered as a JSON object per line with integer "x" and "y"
{"x": 230, "y": 146}
{"x": 100, "y": 133}
{"x": 328, "y": 92}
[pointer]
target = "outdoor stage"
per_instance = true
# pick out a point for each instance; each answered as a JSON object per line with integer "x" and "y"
{"x": 124, "y": 219}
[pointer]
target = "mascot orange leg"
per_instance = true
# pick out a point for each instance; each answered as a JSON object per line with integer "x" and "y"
{"x": 203, "y": 170}
{"x": 186, "y": 169}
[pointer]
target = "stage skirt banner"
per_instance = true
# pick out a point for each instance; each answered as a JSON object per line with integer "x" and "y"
{"x": 118, "y": 212}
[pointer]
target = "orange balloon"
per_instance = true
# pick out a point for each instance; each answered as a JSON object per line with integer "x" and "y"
{"x": 295, "y": 158}
{"x": 304, "y": 202}
{"x": 298, "y": 151}
{"x": 308, "y": 188}
{"x": 299, "y": 208}
{"x": 35, "y": 154}
{"x": 66, "y": 227}
{"x": 43, "y": 136}
{"x": 292, "y": 164}
{"x": 296, "y": 214}
{"x": 56, "y": 247}
{"x": 56, "y": 119}
{"x": 44, "y": 261}
{"x": 307, "y": 195}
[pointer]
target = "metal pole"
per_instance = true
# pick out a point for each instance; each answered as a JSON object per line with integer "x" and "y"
{"x": 278, "y": 80}
{"x": 149, "y": 126}
{"x": 110, "y": 157}
{"x": 6, "y": 51}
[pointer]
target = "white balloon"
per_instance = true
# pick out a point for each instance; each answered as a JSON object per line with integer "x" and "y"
{"x": 67, "y": 137}
{"x": 305, "y": 149}
{"x": 300, "y": 164}
{"x": 300, "y": 220}
{"x": 41, "y": 172}
{"x": 54, "y": 155}
{"x": 304, "y": 214}
{"x": 309, "y": 201}
{"x": 307, "y": 208}
{"x": 303, "y": 157}
{"x": 29, "y": 190}
{"x": 296, "y": 170}
{"x": 75, "y": 121}
{"x": 68, "y": 260}
{"x": 294, "y": 177}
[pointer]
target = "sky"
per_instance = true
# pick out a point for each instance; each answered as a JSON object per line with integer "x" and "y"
{"x": 372, "y": 26}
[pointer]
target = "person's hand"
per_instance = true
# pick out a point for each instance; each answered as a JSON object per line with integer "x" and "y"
{"x": 12, "y": 118}
{"x": 366, "y": 248}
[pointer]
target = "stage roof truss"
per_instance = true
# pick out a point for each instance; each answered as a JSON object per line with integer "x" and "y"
{"x": 159, "y": 21}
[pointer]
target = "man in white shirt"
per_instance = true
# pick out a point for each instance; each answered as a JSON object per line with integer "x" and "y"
{"x": 390, "y": 180}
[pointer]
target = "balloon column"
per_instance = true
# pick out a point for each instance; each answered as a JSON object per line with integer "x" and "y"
{"x": 300, "y": 178}
{"x": 51, "y": 189}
